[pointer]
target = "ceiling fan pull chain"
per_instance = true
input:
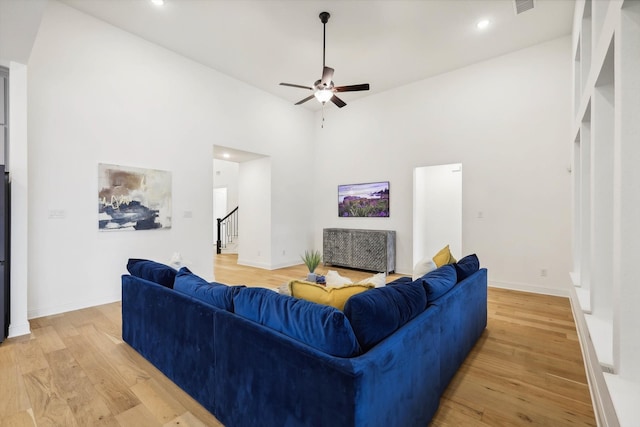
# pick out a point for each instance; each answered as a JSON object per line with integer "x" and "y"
{"x": 322, "y": 124}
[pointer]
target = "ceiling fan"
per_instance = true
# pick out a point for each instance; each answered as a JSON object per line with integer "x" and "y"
{"x": 324, "y": 89}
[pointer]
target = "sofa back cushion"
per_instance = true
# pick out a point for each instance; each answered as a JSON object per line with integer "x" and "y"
{"x": 215, "y": 294}
{"x": 439, "y": 282}
{"x": 152, "y": 271}
{"x": 467, "y": 266}
{"x": 377, "y": 313}
{"x": 322, "y": 327}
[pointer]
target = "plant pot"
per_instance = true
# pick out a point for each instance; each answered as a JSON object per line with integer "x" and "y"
{"x": 311, "y": 277}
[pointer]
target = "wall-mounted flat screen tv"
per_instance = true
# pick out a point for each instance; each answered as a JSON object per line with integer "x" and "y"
{"x": 364, "y": 200}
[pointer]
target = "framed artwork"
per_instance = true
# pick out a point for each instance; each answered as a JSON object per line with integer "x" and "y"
{"x": 364, "y": 200}
{"x": 132, "y": 198}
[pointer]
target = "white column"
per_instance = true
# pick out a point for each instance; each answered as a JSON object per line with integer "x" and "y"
{"x": 18, "y": 169}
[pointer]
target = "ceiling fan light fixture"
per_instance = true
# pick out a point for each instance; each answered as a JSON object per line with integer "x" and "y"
{"x": 323, "y": 95}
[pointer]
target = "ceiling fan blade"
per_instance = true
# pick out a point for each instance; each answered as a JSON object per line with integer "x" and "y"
{"x": 304, "y": 100}
{"x": 327, "y": 76}
{"x": 352, "y": 88}
{"x": 292, "y": 85}
{"x": 339, "y": 102}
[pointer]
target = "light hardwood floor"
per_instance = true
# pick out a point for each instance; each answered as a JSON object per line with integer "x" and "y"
{"x": 74, "y": 369}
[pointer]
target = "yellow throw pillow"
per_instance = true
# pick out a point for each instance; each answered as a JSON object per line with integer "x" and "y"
{"x": 443, "y": 257}
{"x": 335, "y": 297}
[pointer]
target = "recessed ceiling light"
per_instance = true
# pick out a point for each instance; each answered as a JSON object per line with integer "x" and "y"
{"x": 483, "y": 24}
{"x": 226, "y": 155}
{"x": 158, "y": 2}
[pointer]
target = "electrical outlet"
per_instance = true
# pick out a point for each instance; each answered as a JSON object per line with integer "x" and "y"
{"x": 57, "y": 214}
{"x": 284, "y": 252}
{"x": 480, "y": 214}
{"x": 543, "y": 272}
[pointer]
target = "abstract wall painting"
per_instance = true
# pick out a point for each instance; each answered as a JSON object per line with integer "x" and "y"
{"x": 132, "y": 198}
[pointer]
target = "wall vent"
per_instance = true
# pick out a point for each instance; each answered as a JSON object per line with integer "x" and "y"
{"x": 521, "y": 6}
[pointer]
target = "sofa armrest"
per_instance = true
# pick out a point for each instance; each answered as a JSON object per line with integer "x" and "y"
{"x": 399, "y": 378}
{"x": 463, "y": 320}
{"x": 172, "y": 331}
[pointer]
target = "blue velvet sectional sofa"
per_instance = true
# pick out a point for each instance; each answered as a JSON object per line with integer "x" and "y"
{"x": 253, "y": 357}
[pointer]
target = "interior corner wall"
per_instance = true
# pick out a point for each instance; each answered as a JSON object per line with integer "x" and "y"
{"x": 507, "y": 121}
{"x": 97, "y": 94}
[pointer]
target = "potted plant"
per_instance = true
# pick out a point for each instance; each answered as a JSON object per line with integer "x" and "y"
{"x": 311, "y": 259}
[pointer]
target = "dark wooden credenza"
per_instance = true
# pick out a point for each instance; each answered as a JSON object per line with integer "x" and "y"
{"x": 373, "y": 250}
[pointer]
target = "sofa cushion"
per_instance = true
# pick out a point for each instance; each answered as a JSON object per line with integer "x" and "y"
{"x": 376, "y": 314}
{"x": 439, "y": 282}
{"x": 467, "y": 266}
{"x": 443, "y": 257}
{"x": 152, "y": 271}
{"x": 334, "y": 297}
{"x": 215, "y": 294}
{"x": 422, "y": 267}
{"x": 319, "y": 326}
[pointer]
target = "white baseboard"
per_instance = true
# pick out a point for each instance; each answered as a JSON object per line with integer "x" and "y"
{"x": 286, "y": 264}
{"x": 600, "y": 396}
{"x": 19, "y": 329}
{"x": 265, "y": 266}
{"x": 526, "y": 287}
{"x": 76, "y": 305}
{"x": 262, "y": 265}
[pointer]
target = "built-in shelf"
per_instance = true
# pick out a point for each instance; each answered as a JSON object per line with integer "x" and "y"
{"x": 599, "y": 13}
{"x": 626, "y": 399}
{"x": 577, "y": 80}
{"x": 575, "y": 278}
{"x": 584, "y": 298}
{"x": 606, "y": 91}
{"x": 601, "y": 332}
{"x": 585, "y": 43}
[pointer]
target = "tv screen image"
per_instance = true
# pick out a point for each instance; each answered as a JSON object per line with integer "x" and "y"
{"x": 364, "y": 200}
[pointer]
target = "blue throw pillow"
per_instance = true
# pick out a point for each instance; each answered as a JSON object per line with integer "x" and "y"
{"x": 467, "y": 266}
{"x": 152, "y": 271}
{"x": 379, "y": 312}
{"x": 439, "y": 281}
{"x": 216, "y": 294}
{"x": 320, "y": 326}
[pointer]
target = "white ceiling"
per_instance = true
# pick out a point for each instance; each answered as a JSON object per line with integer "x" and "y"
{"x": 384, "y": 43}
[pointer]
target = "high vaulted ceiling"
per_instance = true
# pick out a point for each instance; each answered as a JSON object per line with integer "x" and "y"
{"x": 385, "y": 43}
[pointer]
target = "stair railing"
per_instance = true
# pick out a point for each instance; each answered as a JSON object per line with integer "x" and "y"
{"x": 227, "y": 230}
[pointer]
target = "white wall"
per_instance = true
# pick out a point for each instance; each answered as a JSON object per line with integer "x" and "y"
{"x": 506, "y": 120}
{"x": 98, "y": 94}
{"x": 225, "y": 174}
{"x": 254, "y": 215}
